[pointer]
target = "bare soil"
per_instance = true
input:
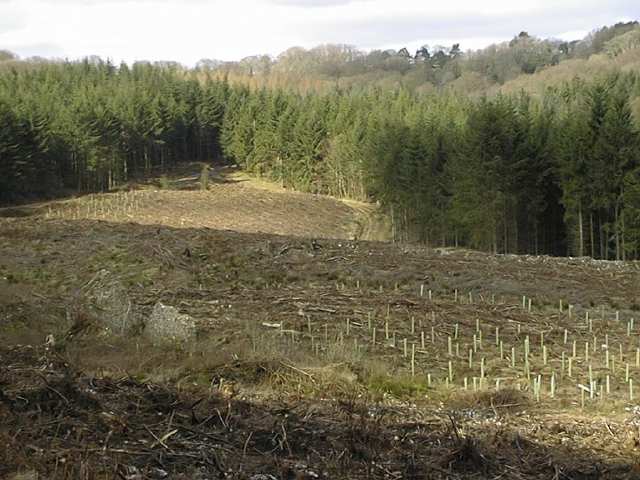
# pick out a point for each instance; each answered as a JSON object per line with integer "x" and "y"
{"x": 301, "y": 369}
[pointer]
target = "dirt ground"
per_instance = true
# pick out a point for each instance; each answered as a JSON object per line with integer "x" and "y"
{"x": 319, "y": 354}
{"x": 233, "y": 201}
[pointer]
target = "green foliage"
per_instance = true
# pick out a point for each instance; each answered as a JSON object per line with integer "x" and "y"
{"x": 164, "y": 183}
{"x": 89, "y": 126}
{"x": 555, "y": 174}
{"x": 204, "y": 177}
{"x": 398, "y": 387}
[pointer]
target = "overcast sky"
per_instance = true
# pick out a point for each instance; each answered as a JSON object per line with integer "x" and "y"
{"x": 188, "y": 30}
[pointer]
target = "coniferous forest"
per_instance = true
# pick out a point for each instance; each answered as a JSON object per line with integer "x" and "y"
{"x": 554, "y": 173}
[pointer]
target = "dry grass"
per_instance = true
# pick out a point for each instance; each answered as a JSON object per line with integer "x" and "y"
{"x": 287, "y": 323}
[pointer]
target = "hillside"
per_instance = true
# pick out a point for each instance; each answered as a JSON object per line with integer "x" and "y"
{"x": 315, "y": 354}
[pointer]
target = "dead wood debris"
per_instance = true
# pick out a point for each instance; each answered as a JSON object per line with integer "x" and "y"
{"x": 60, "y": 424}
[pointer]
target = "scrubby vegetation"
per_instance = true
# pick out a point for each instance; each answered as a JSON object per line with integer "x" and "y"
{"x": 312, "y": 357}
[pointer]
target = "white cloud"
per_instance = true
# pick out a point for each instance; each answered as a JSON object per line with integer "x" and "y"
{"x": 187, "y": 30}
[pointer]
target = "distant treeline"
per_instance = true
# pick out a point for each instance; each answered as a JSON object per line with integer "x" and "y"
{"x": 558, "y": 174}
{"x": 433, "y": 67}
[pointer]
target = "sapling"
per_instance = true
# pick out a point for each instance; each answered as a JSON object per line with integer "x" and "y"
{"x": 413, "y": 360}
{"x": 613, "y": 364}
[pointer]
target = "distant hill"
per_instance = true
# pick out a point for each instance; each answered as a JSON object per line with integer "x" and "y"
{"x": 525, "y": 62}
